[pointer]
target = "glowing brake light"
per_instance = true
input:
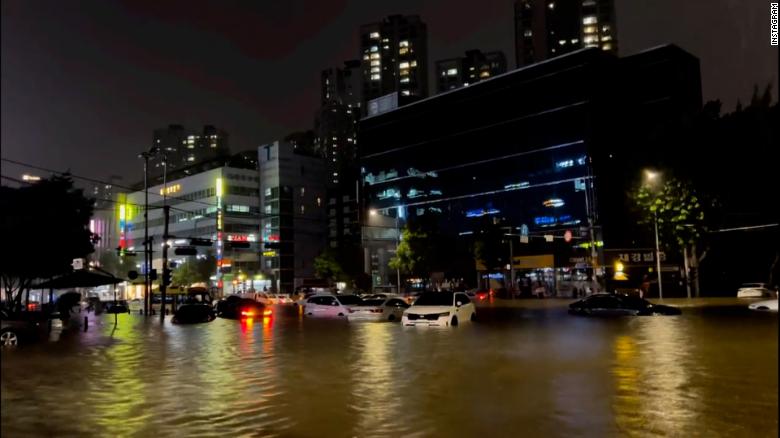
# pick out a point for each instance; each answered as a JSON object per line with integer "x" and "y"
{"x": 267, "y": 312}
{"x": 247, "y": 313}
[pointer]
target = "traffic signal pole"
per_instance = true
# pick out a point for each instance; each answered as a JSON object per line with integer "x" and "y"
{"x": 165, "y": 270}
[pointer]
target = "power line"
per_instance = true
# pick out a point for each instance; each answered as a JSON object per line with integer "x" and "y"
{"x": 97, "y": 181}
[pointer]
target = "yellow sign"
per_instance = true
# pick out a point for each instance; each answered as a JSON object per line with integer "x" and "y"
{"x": 170, "y": 189}
{"x": 534, "y": 262}
{"x": 269, "y": 253}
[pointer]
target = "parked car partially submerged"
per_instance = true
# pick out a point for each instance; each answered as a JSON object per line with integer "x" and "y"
{"x": 754, "y": 290}
{"x": 619, "y": 305}
{"x": 193, "y": 314}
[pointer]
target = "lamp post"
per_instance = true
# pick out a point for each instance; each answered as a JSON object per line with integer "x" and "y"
{"x": 147, "y": 245}
{"x": 652, "y": 178}
{"x": 397, "y": 244}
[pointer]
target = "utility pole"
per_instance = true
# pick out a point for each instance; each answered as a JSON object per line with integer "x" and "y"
{"x": 164, "y": 280}
{"x": 147, "y": 245}
{"x": 658, "y": 258}
{"x": 397, "y": 244}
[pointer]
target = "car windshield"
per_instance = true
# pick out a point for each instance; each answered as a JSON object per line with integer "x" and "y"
{"x": 350, "y": 300}
{"x": 752, "y": 285}
{"x": 635, "y": 302}
{"x": 373, "y": 302}
{"x": 434, "y": 299}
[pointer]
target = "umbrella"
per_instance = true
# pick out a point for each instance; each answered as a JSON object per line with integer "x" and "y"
{"x": 78, "y": 278}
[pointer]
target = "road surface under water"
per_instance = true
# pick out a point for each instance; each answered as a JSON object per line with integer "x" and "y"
{"x": 525, "y": 368}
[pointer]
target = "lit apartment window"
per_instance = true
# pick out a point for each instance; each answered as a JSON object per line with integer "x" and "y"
{"x": 303, "y": 191}
{"x": 374, "y": 35}
{"x": 561, "y": 42}
{"x": 590, "y": 39}
{"x": 606, "y": 46}
{"x": 403, "y": 65}
{"x": 551, "y": 5}
{"x": 303, "y": 209}
{"x": 404, "y": 72}
{"x": 413, "y": 64}
{"x": 443, "y": 73}
{"x": 590, "y": 19}
{"x": 319, "y": 202}
{"x": 589, "y": 29}
{"x": 527, "y": 33}
{"x": 403, "y": 43}
{"x": 405, "y": 80}
{"x": 375, "y": 63}
{"x": 374, "y": 48}
{"x": 385, "y": 40}
{"x": 365, "y": 57}
{"x": 605, "y": 28}
{"x": 376, "y": 77}
{"x": 375, "y": 56}
{"x": 375, "y": 69}
{"x": 575, "y": 41}
{"x": 452, "y": 71}
{"x": 403, "y": 50}
{"x": 606, "y": 38}
{"x": 405, "y": 93}
{"x": 484, "y": 74}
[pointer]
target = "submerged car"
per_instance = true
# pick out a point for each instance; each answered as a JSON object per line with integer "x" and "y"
{"x": 619, "y": 305}
{"x": 193, "y": 314}
{"x": 766, "y": 305}
{"x": 440, "y": 309}
{"x": 753, "y": 290}
{"x": 235, "y": 307}
{"x": 18, "y": 328}
{"x": 331, "y": 305}
{"x": 379, "y": 309}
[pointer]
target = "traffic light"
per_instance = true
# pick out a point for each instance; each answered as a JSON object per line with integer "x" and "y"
{"x": 185, "y": 250}
{"x": 166, "y": 277}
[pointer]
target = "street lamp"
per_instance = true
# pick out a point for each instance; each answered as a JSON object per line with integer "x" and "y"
{"x": 652, "y": 178}
{"x": 147, "y": 245}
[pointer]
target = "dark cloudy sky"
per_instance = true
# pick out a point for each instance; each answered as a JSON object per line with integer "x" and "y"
{"x": 85, "y": 82}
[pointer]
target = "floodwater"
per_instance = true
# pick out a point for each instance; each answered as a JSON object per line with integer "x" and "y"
{"x": 525, "y": 368}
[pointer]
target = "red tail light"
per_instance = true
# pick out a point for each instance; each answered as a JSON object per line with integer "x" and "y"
{"x": 247, "y": 313}
{"x": 267, "y": 312}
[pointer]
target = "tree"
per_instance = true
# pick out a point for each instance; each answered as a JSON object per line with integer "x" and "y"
{"x": 44, "y": 226}
{"x": 489, "y": 248}
{"x": 198, "y": 270}
{"x": 680, "y": 215}
{"x": 415, "y": 253}
{"x": 328, "y": 265}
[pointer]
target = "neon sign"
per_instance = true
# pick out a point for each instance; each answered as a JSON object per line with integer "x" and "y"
{"x": 482, "y": 212}
{"x": 553, "y": 202}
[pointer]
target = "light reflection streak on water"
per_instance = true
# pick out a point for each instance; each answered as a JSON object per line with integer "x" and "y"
{"x": 625, "y": 370}
{"x": 374, "y": 384}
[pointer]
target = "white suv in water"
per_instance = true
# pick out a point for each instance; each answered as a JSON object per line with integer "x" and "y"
{"x": 440, "y": 309}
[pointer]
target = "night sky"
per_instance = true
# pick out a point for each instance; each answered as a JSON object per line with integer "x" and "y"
{"x": 84, "y": 83}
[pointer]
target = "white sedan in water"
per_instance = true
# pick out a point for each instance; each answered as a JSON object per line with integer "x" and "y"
{"x": 330, "y": 305}
{"x": 379, "y": 309}
{"x": 440, "y": 309}
{"x": 754, "y": 290}
{"x": 767, "y": 305}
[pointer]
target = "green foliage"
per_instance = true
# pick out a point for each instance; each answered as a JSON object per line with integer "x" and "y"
{"x": 679, "y": 210}
{"x": 194, "y": 271}
{"x": 489, "y": 247}
{"x": 414, "y": 255}
{"x": 327, "y": 265}
{"x": 44, "y": 226}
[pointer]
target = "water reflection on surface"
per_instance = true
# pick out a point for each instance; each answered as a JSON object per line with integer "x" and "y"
{"x": 526, "y": 368}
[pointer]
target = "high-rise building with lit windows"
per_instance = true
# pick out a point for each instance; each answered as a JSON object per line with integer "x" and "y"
{"x": 343, "y": 85}
{"x": 548, "y": 28}
{"x": 475, "y": 66}
{"x": 184, "y": 148}
{"x": 394, "y": 55}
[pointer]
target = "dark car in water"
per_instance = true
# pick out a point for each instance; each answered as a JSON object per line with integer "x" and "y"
{"x": 118, "y": 307}
{"x": 234, "y": 307}
{"x": 619, "y": 305}
{"x": 193, "y": 314}
{"x": 21, "y": 327}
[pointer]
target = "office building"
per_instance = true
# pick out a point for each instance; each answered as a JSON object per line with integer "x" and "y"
{"x": 544, "y": 151}
{"x": 220, "y": 204}
{"x": 548, "y": 28}
{"x": 475, "y": 66}
{"x": 394, "y": 55}
{"x": 292, "y": 203}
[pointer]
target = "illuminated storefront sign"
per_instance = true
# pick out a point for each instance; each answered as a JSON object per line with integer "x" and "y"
{"x": 269, "y": 253}
{"x": 241, "y": 238}
{"x": 170, "y": 189}
{"x": 482, "y": 212}
{"x": 553, "y": 202}
{"x": 220, "y": 262}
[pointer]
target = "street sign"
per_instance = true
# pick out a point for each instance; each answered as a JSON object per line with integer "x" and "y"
{"x": 548, "y": 237}
{"x": 78, "y": 264}
{"x": 567, "y": 236}
{"x": 523, "y": 239}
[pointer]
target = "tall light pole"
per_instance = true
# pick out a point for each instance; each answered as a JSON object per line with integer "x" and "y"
{"x": 397, "y": 244}
{"x": 147, "y": 245}
{"x": 652, "y": 178}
